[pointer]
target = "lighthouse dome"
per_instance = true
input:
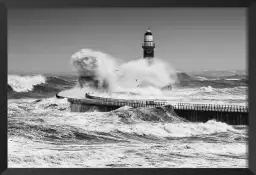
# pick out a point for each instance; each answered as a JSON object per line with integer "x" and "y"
{"x": 148, "y": 32}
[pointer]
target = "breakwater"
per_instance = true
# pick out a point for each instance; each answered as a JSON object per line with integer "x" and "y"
{"x": 231, "y": 114}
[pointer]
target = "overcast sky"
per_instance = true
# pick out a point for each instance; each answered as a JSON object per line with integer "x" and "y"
{"x": 43, "y": 40}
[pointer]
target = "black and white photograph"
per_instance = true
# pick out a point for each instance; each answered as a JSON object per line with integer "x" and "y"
{"x": 127, "y": 88}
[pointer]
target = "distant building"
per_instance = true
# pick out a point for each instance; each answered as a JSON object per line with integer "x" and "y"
{"x": 148, "y": 45}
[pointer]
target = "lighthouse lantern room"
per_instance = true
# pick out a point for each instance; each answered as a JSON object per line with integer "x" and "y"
{"x": 148, "y": 45}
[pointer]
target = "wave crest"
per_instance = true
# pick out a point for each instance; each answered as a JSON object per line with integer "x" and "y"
{"x": 157, "y": 114}
{"x": 227, "y": 91}
{"x": 94, "y": 68}
{"x": 25, "y": 83}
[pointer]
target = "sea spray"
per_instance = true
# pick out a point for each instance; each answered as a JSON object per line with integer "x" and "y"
{"x": 138, "y": 73}
{"x": 94, "y": 68}
{"x": 99, "y": 72}
{"x": 25, "y": 83}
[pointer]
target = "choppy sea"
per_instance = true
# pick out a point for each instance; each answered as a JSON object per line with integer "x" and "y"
{"x": 42, "y": 132}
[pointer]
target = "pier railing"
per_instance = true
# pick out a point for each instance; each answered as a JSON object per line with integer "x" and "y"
{"x": 124, "y": 102}
{"x": 211, "y": 107}
{"x": 178, "y": 106}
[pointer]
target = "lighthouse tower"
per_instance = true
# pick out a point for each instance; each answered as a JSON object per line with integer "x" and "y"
{"x": 148, "y": 45}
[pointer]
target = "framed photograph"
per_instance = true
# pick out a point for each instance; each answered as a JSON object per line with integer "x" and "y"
{"x": 138, "y": 87}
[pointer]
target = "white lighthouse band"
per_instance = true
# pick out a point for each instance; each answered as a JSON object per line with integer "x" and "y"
{"x": 148, "y": 38}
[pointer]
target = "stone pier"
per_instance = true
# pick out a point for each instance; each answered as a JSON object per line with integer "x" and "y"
{"x": 230, "y": 114}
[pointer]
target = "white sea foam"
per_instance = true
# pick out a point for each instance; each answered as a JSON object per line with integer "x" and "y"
{"x": 136, "y": 76}
{"x": 100, "y": 66}
{"x": 25, "y": 83}
{"x": 139, "y": 73}
{"x": 137, "y": 152}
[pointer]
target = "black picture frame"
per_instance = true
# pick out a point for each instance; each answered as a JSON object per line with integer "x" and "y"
{"x": 251, "y": 40}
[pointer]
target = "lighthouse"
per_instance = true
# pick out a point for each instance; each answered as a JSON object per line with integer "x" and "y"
{"x": 148, "y": 45}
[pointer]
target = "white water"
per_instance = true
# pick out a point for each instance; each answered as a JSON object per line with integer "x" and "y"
{"x": 133, "y": 76}
{"x": 111, "y": 142}
{"x": 25, "y": 83}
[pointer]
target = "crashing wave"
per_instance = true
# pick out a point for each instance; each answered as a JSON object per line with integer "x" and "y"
{"x": 25, "y": 83}
{"x": 95, "y": 69}
{"x": 156, "y": 114}
{"x": 101, "y": 72}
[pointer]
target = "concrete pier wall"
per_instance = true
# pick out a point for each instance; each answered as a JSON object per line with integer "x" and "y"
{"x": 234, "y": 115}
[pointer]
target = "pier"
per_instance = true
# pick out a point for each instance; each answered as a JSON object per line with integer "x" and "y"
{"x": 230, "y": 114}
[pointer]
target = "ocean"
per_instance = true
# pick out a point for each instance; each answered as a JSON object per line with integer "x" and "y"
{"x": 43, "y": 133}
